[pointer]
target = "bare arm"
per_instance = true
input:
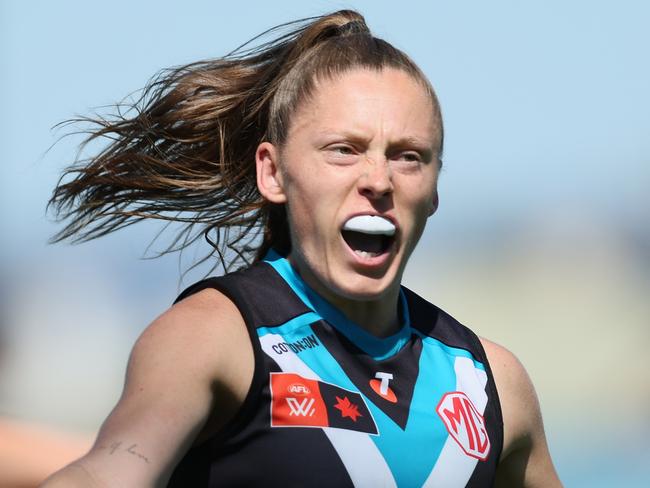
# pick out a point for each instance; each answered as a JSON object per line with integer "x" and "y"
{"x": 525, "y": 460}
{"x": 199, "y": 347}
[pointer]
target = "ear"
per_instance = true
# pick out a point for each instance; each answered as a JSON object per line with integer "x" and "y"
{"x": 434, "y": 203}
{"x": 269, "y": 176}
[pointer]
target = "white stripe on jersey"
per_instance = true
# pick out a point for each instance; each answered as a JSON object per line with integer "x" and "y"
{"x": 364, "y": 462}
{"x": 454, "y": 468}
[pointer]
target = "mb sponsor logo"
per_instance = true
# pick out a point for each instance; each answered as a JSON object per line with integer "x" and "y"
{"x": 465, "y": 424}
{"x": 307, "y": 342}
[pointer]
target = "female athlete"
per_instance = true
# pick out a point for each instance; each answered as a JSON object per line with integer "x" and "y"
{"x": 315, "y": 158}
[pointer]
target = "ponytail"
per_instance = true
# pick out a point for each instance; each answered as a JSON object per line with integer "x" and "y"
{"x": 184, "y": 151}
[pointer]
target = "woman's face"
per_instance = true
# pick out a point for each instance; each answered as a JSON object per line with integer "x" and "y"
{"x": 358, "y": 174}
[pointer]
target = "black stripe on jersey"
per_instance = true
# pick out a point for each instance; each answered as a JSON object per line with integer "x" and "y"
{"x": 249, "y": 288}
{"x": 293, "y": 457}
{"x": 404, "y": 366}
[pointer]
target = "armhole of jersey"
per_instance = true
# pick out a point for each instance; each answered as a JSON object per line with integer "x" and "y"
{"x": 414, "y": 299}
{"x": 491, "y": 383}
{"x": 246, "y": 410}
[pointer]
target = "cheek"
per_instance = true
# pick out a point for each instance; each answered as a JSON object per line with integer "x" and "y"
{"x": 420, "y": 208}
{"x": 319, "y": 188}
{"x": 428, "y": 195}
{"x": 307, "y": 209}
{"x": 420, "y": 196}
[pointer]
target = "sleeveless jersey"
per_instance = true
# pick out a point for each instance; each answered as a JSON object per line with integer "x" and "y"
{"x": 331, "y": 405}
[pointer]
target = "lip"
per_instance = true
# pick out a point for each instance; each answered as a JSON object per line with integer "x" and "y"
{"x": 382, "y": 259}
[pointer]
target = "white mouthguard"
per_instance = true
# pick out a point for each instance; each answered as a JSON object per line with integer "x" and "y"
{"x": 370, "y": 224}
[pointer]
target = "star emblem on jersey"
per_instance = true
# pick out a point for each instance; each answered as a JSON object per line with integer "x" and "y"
{"x": 347, "y": 408}
{"x": 297, "y": 401}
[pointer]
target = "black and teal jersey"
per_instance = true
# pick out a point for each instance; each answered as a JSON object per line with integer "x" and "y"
{"x": 332, "y": 405}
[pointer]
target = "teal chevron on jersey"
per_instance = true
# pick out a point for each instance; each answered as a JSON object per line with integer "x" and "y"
{"x": 425, "y": 434}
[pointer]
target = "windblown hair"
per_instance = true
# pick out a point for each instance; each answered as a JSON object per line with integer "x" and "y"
{"x": 185, "y": 150}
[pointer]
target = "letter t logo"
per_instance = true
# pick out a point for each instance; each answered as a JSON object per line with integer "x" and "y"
{"x": 385, "y": 378}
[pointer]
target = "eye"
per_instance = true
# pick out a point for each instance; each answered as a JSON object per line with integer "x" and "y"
{"x": 410, "y": 156}
{"x": 341, "y": 154}
{"x": 407, "y": 159}
{"x": 342, "y": 149}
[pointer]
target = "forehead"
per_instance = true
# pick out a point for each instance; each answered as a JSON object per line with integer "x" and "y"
{"x": 366, "y": 101}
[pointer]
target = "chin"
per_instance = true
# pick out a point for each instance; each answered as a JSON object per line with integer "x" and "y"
{"x": 347, "y": 280}
{"x": 363, "y": 288}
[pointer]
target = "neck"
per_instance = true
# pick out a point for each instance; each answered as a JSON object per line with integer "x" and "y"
{"x": 378, "y": 316}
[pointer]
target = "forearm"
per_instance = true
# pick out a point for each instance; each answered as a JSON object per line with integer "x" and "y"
{"x": 93, "y": 471}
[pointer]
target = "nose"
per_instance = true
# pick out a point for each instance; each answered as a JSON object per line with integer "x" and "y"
{"x": 376, "y": 180}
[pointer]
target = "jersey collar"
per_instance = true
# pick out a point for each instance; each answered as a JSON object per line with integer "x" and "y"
{"x": 378, "y": 348}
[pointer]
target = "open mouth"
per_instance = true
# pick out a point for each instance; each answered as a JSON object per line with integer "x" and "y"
{"x": 369, "y": 236}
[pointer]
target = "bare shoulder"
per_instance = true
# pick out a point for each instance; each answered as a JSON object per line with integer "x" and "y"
{"x": 196, "y": 351}
{"x": 525, "y": 460}
{"x": 201, "y": 339}
{"x": 519, "y": 402}
{"x": 513, "y": 382}
{"x": 208, "y": 311}
{"x": 193, "y": 330}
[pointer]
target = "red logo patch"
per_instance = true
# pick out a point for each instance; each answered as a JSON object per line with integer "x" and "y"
{"x": 465, "y": 424}
{"x": 301, "y": 402}
{"x": 296, "y": 401}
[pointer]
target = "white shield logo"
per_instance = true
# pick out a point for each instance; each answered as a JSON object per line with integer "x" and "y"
{"x": 465, "y": 424}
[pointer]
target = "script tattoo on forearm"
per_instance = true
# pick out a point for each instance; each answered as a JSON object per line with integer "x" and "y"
{"x": 119, "y": 446}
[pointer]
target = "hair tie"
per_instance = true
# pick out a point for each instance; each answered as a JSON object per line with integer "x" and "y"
{"x": 353, "y": 27}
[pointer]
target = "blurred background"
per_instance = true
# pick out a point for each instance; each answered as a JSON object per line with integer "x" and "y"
{"x": 541, "y": 242}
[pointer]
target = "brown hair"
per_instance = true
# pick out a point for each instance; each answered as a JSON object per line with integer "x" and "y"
{"x": 185, "y": 150}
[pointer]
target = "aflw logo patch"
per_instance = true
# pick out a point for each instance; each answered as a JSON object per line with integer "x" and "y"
{"x": 465, "y": 424}
{"x": 301, "y": 402}
{"x": 301, "y": 408}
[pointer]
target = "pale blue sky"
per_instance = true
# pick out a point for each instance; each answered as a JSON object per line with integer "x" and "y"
{"x": 546, "y": 104}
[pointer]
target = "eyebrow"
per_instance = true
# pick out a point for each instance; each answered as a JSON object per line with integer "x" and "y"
{"x": 428, "y": 150}
{"x": 418, "y": 142}
{"x": 413, "y": 141}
